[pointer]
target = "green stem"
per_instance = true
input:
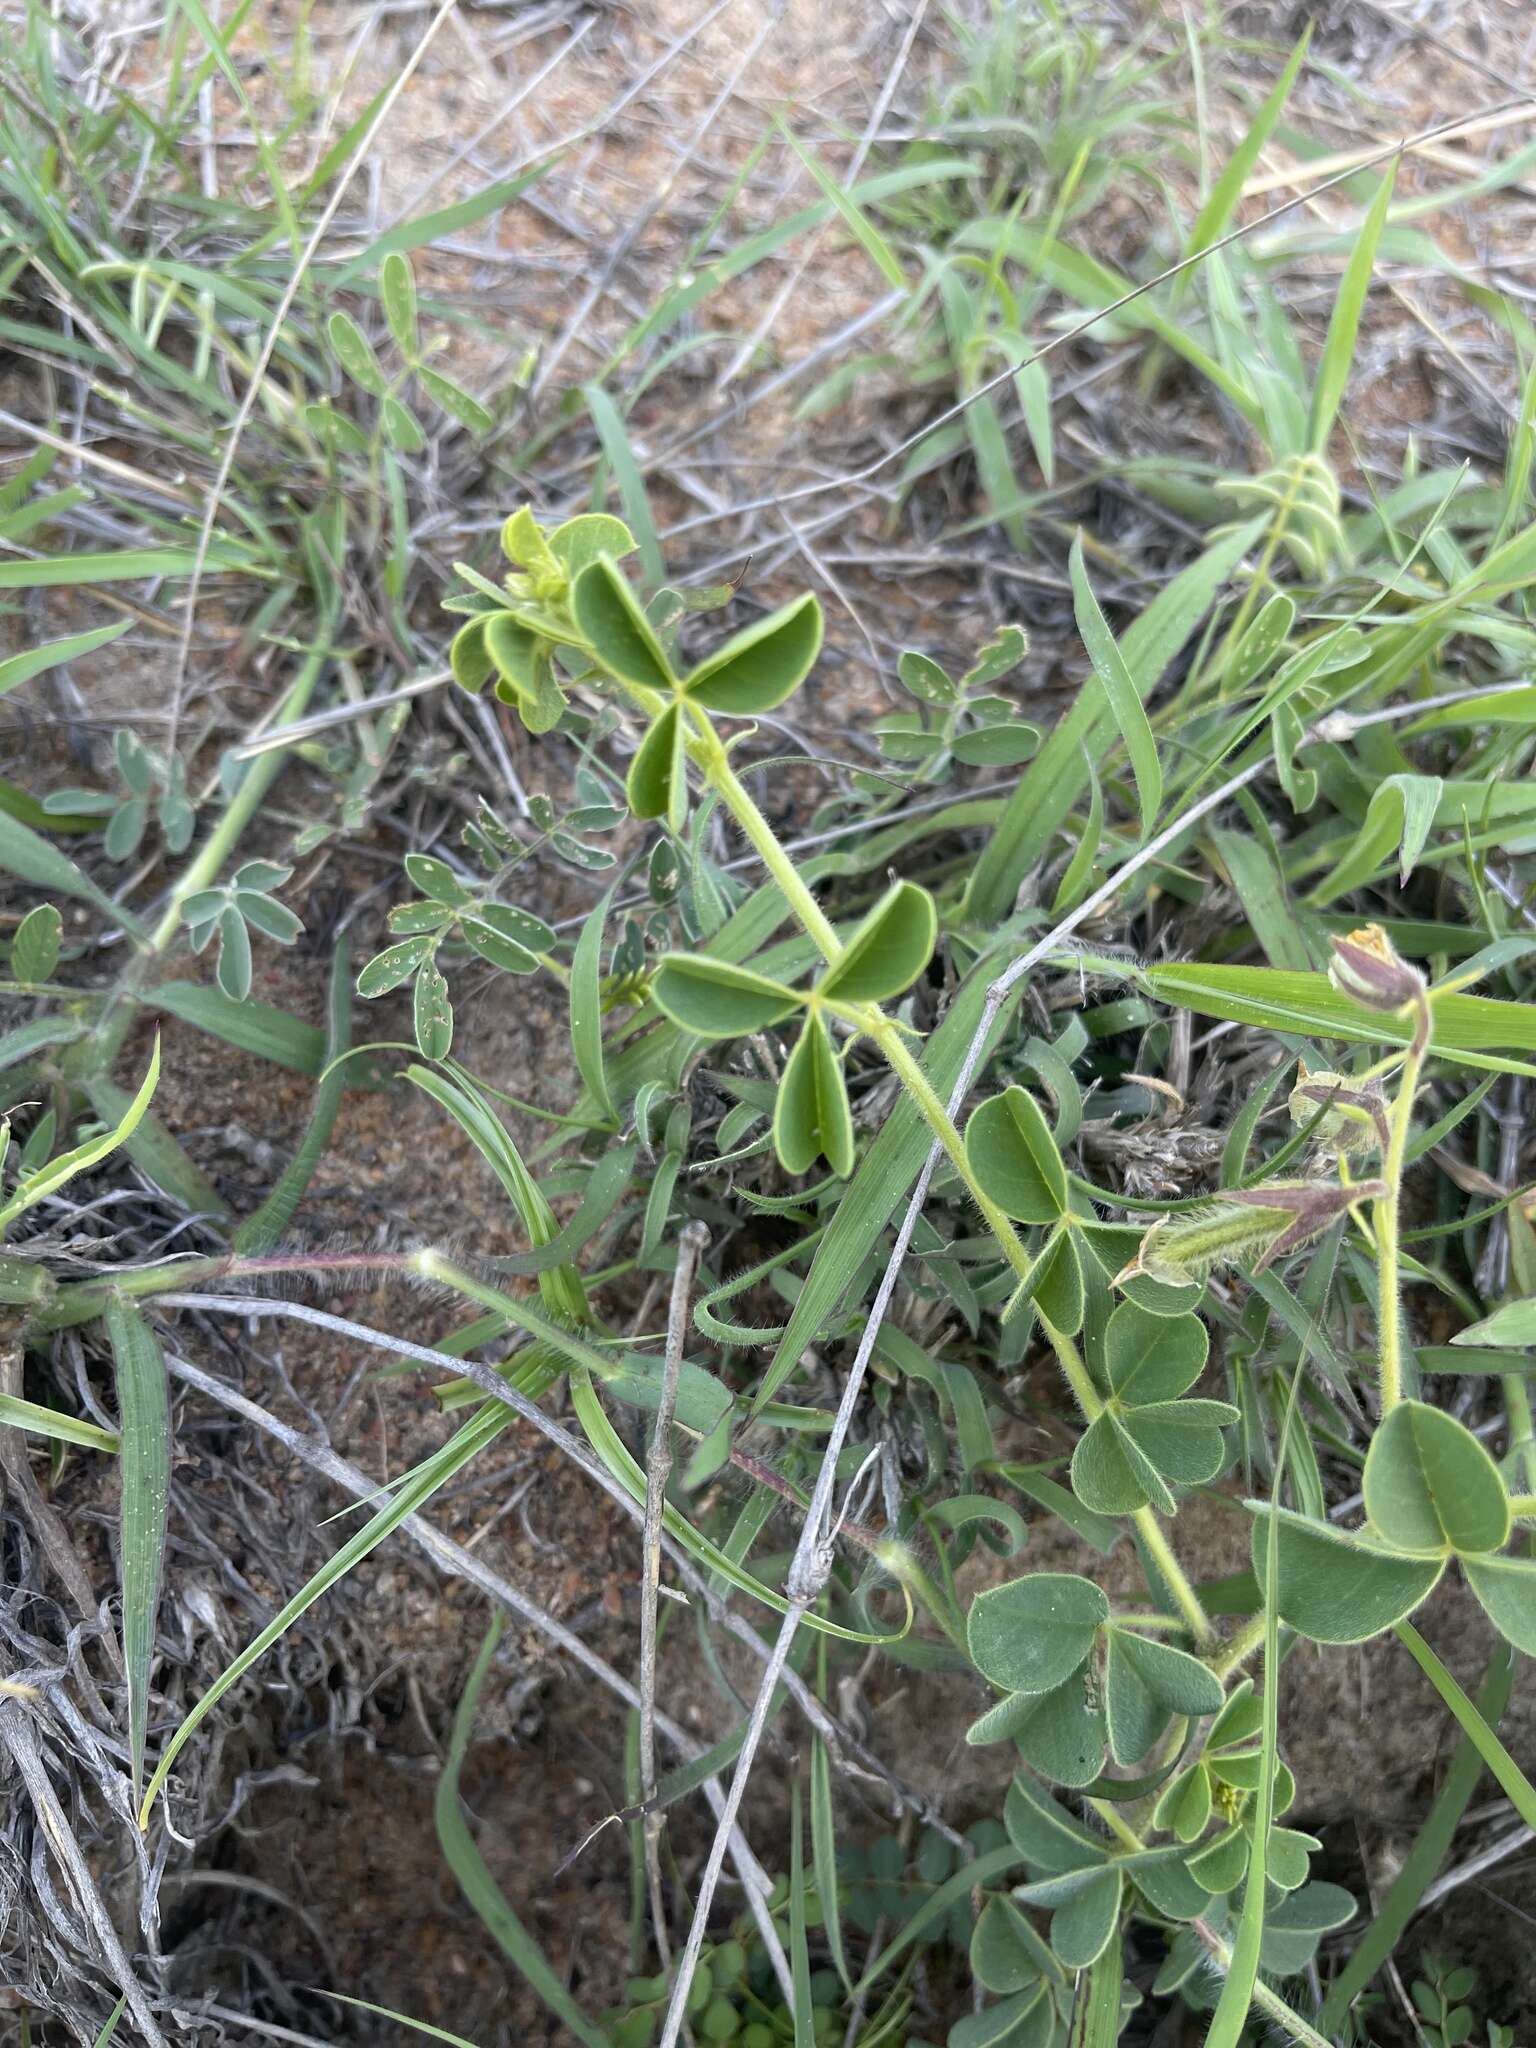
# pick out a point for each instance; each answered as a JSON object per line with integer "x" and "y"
{"x": 737, "y": 799}
{"x": 1522, "y": 1431}
{"x": 1185, "y": 1598}
{"x": 908, "y": 1070}
{"x": 1268, "y": 2002}
{"x": 1386, "y": 1219}
{"x": 1523, "y": 1506}
{"x": 1235, "y": 1654}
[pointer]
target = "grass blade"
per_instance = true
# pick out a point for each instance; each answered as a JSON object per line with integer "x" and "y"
{"x": 1467, "y": 1028}
{"x": 858, "y": 223}
{"x": 824, "y": 1857}
{"x": 48, "y": 1179}
{"x": 1344, "y": 327}
{"x": 1124, "y": 699}
{"x": 587, "y": 1010}
{"x": 884, "y": 1176}
{"x": 474, "y": 1876}
{"x": 65, "y": 1429}
{"x": 799, "y": 1950}
{"x": 144, "y": 1410}
{"x": 1214, "y": 216}
{"x": 1059, "y": 773}
{"x": 1512, "y": 1781}
{"x": 614, "y": 436}
{"x": 266, "y": 1226}
{"x": 252, "y": 1026}
{"x": 433, "y": 1473}
{"x": 32, "y": 661}
{"x": 35, "y": 860}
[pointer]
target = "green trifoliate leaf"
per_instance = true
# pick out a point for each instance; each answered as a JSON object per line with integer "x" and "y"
{"x": 468, "y": 657}
{"x": 657, "y": 783}
{"x": 609, "y": 616}
{"x": 1111, "y": 1473}
{"x": 1152, "y": 1358}
{"x": 1006, "y": 1953}
{"x": 580, "y": 541}
{"x": 1084, "y": 1925}
{"x": 1185, "y": 1807}
{"x": 1506, "y": 1586}
{"x": 432, "y": 1013}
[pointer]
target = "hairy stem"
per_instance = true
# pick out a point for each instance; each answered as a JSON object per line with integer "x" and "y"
{"x": 1386, "y": 1219}
{"x": 908, "y": 1070}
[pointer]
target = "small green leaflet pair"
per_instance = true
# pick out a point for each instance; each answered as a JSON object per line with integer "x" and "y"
{"x": 1432, "y": 1493}
{"x": 570, "y": 595}
{"x": 961, "y": 721}
{"x": 716, "y": 999}
{"x": 755, "y": 671}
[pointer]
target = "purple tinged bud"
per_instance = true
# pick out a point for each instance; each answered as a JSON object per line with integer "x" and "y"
{"x": 1368, "y": 968}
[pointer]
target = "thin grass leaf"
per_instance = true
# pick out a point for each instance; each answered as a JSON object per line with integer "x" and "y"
{"x": 1466, "y": 1028}
{"x": 799, "y": 1948}
{"x": 144, "y": 1411}
{"x": 1512, "y": 1781}
{"x": 1230, "y": 2020}
{"x": 1056, "y": 778}
{"x": 707, "y": 277}
{"x": 474, "y": 1876}
{"x": 403, "y": 2019}
{"x": 824, "y": 1856}
{"x": 1119, "y": 687}
{"x": 34, "y": 860}
{"x": 586, "y": 999}
{"x": 123, "y": 565}
{"x": 1344, "y": 326}
{"x": 32, "y": 661}
{"x": 857, "y": 221}
{"x": 157, "y": 1154}
{"x": 434, "y": 1472}
{"x": 428, "y": 228}
{"x": 614, "y": 436}
{"x": 884, "y": 1176}
{"x": 110, "y": 2029}
{"x": 266, "y": 1226}
{"x": 48, "y": 1179}
{"x": 65, "y": 1429}
{"x": 1214, "y": 217}
{"x": 251, "y": 1025}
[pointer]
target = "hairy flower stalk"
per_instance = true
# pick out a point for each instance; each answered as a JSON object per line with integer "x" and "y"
{"x": 1367, "y": 967}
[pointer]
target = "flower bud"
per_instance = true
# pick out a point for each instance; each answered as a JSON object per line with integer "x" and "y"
{"x": 1368, "y": 968}
{"x": 1354, "y": 1112}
